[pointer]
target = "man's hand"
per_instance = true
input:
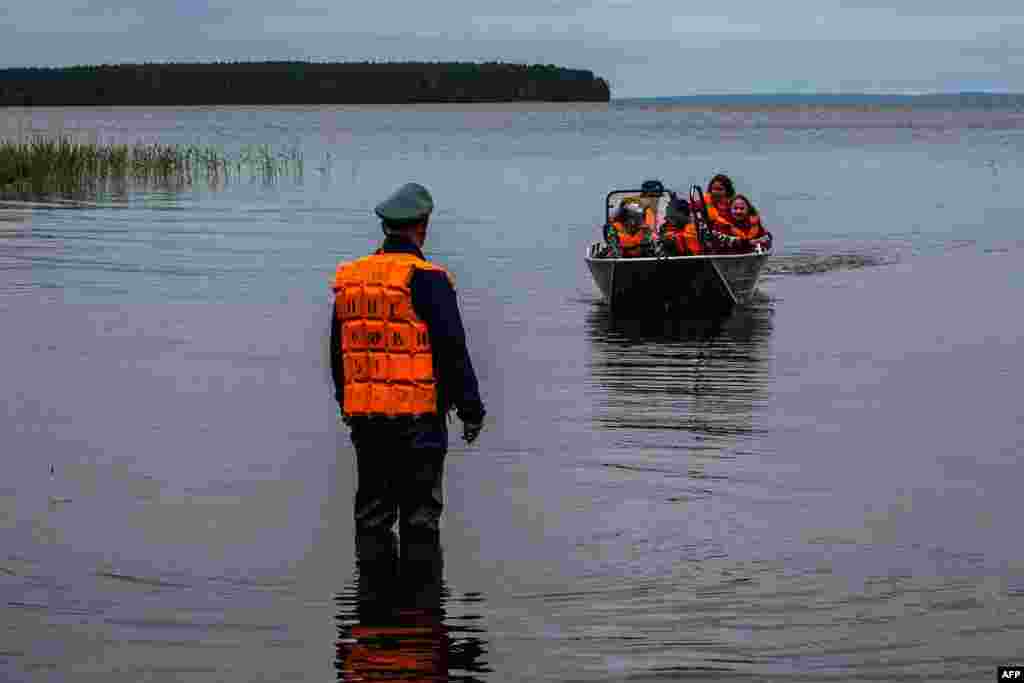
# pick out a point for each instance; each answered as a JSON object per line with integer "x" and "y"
{"x": 471, "y": 430}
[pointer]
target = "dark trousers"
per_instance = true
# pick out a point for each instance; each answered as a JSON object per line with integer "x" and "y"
{"x": 390, "y": 581}
{"x": 399, "y": 480}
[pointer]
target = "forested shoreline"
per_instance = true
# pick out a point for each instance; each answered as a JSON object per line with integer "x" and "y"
{"x": 268, "y": 83}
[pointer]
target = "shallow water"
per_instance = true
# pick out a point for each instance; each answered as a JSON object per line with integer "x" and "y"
{"x": 821, "y": 487}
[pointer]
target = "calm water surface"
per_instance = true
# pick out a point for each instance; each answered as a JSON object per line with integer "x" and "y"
{"x": 824, "y": 486}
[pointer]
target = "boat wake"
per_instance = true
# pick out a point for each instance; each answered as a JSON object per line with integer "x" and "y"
{"x": 810, "y": 263}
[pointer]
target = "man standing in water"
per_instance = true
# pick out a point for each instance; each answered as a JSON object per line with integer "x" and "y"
{"x": 400, "y": 363}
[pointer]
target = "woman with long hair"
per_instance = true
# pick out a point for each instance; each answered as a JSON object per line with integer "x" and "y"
{"x": 718, "y": 197}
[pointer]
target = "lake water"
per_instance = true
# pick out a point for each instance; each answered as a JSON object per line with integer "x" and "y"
{"x": 824, "y": 486}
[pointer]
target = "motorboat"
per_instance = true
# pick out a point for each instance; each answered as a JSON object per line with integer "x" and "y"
{"x": 710, "y": 283}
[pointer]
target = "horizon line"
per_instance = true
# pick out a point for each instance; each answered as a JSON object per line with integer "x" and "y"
{"x": 783, "y": 93}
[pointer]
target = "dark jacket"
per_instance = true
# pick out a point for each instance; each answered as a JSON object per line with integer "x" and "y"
{"x": 434, "y": 301}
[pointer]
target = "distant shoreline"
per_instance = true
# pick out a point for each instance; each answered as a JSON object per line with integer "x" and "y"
{"x": 828, "y": 102}
{"x": 297, "y": 83}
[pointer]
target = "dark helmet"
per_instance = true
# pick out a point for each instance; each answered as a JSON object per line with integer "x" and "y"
{"x": 652, "y": 187}
{"x": 631, "y": 211}
{"x": 678, "y": 211}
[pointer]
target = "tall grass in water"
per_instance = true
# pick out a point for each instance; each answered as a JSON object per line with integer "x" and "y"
{"x": 44, "y": 166}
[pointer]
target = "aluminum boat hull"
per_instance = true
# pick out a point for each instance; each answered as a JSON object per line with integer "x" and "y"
{"x": 697, "y": 284}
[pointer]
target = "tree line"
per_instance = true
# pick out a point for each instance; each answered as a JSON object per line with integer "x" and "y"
{"x": 256, "y": 83}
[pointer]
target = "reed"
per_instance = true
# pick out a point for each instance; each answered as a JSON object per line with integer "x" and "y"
{"x": 58, "y": 165}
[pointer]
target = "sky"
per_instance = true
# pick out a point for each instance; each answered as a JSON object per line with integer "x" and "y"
{"x": 643, "y": 48}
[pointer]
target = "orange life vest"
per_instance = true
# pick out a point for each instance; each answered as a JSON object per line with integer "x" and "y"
{"x": 685, "y": 239}
{"x": 385, "y": 347}
{"x": 629, "y": 241}
{"x": 752, "y": 229}
{"x": 723, "y": 222}
{"x": 716, "y": 212}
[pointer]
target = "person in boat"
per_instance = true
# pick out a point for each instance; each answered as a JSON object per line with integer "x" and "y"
{"x": 744, "y": 219}
{"x": 679, "y": 236}
{"x": 741, "y": 227}
{"x": 628, "y": 235}
{"x": 650, "y": 193}
{"x": 718, "y": 197}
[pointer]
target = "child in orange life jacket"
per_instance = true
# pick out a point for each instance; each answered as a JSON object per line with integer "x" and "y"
{"x": 745, "y": 220}
{"x": 628, "y": 235}
{"x": 679, "y": 235}
{"x": 741, "y": 225}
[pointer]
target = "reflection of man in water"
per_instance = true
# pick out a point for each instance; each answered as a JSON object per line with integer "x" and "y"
{"x": 400, "y": 634}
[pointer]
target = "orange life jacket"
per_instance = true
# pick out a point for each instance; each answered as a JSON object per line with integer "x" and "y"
{"x": 716, "y": 212}
{"x": 686, "y": 240}
{"x": 385, "y": 347}
{"x": 751, "y": 230}
{"x": 629, "y": 241}
{"x": 723, "y": 222}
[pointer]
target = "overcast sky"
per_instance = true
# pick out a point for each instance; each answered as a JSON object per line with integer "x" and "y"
{"x": 643, "y": 48}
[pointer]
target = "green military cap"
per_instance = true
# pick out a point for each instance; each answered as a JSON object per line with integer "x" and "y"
{"x": 410, "y": 202}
